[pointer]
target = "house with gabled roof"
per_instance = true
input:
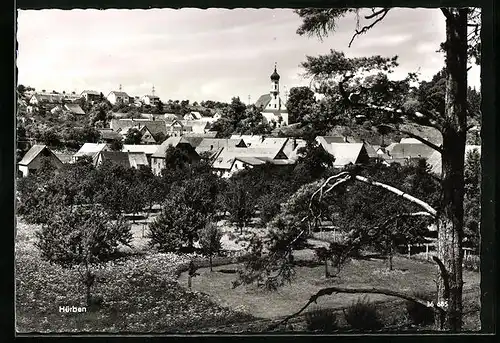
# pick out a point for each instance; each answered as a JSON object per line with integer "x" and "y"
{"x": 91, "y": 150}
{"x": 158, "y": 158}
{"x": 170, "y": 117}
{"x": 193, "y": 115}
{"x": 147, "y": 149}
{"x": 214, "y": 145}
{"x": 150, "y": 99}
{"x": 115, "y": 97}
{"x": 249, "y": 139}
{"x": 31, "y": 161}
{"x": 292, "y": 147}
{"x": 116, "y": 157}
{"x": 348, "y": 153}
{"x": 232, "y": 159}
{"x": 147, "y": 135}
{"x": 177, "y": 128}
{"x": 40, "y": 98}
{"x": 108, "y": 135}
{"x": 326, "y": 141}
{"x": 74, "y": 108}
{"x": 91, "y": 95}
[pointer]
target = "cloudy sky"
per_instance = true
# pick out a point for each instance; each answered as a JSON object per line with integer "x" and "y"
{"x": 205, "y": 54}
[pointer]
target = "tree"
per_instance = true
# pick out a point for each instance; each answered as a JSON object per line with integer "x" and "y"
{"x": 451, "y": 122}
{"x": 116, "y": 145}
{"x": 133, "y": 136}
{"x": 50, "y": 137}
{"x": 114, "y": 188}
{"x": 252, "y": 124}
{"x": 159, "y": 107}
{"x": 238, "y": 203}
{"x": 177, "y": 226}
{"x": 300, "y": 103}
{"x": 232, "y": 115}
{"x": 82, "y": 237}
{"x": 210, "y": 240}
{"x": 312, "y": 163}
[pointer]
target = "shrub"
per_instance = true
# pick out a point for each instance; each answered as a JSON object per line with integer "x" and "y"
{"x": 324, "y": 320}
{"x": 419, "y": 314}
{"x": 472, "y": 263}
{"x": 362, "y": 315}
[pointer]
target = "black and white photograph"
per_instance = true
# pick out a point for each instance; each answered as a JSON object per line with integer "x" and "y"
{"x": 248, "y": 171}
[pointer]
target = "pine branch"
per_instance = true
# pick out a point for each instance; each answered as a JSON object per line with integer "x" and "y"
{"x": 350, "y": 99}
{"x": 365, "y": 29}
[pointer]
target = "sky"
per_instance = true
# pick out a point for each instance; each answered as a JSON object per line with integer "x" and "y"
{"x": 212, "y": 54}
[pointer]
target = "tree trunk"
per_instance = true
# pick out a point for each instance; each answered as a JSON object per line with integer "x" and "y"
{"x": 450, "y": 225}
{"x": 210, "y": 261}
{"x": 326, "y": 268}
{"x": 189, "y": 281}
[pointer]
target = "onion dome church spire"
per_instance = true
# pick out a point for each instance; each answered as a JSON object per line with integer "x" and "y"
{"x": 275, "y": 76}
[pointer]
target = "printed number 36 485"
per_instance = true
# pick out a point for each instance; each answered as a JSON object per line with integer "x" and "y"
{"x": 442, "y": 304}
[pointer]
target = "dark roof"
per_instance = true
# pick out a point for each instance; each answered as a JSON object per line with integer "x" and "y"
{"x": 263, "y": 101}
{"x": 194, "y": 141}
{"x": 155, "y": 126}
{"x": 109, "y": 134}
{"x": 335, "y": 139}
{"x": 117, "y": 157}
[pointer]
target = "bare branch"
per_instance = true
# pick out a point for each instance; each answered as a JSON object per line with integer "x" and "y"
{"x": 399, "y": 192}
{"x": 376, "y": 13}
{"x": 412, "y": 135}
{"x": 365, "y": 29}
{"x": 331, "y": 290}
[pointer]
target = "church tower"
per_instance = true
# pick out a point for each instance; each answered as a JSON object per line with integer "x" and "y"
{"x": 275, "y": 103}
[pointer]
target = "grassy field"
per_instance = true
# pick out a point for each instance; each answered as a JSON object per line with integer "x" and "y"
{"x": 408, "y": 275}
{"x": 140, "y": 295}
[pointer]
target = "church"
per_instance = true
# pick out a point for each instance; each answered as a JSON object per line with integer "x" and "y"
{"x": 273, "y": 108}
